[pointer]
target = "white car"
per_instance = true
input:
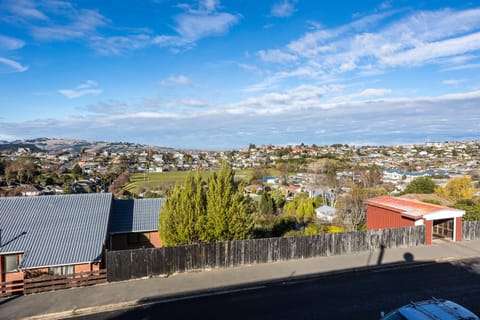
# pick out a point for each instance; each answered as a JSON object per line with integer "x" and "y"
{"x": 431, "y": 309}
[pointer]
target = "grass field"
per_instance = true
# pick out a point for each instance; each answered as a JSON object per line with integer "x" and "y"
{"x": 140, "y": 182}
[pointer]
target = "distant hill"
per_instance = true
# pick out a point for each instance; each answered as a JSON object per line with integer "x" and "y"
{"x": 11, "y": 146}
{"x": 53, "y": 145}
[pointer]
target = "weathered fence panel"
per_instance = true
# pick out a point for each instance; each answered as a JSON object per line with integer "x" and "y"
{"x": 129, "y": 264}
{"x": 470, "y": 230}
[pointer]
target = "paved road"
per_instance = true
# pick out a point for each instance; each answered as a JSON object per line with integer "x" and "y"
{"x": 359, "y": 295}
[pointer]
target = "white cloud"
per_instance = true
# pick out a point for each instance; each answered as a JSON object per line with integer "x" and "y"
{"x": 197, "y": 23}
{"x": 82, "y": 24}
{"x": 283, "y": 9}
{"x": 87, "y": 88}
{"x": 192, "y": 27}
{"x": 366, "y": 94}
{"x": 25, "y": 9}
{"x": 276, "y": 56}
{"x": 196, "y": 103}
{"x": 119, "y": 45}
{"x": 453, "y": 81}
{"x": 179, "y": 80}
{"x": 374, "y": 92}
{"x": 375, "y": 43}
{"x": 425, "y": 53}
{"x": 463, "y": 67}
{"x": 8, "y": 43}
{"x": 299, "y": 115}
{"x": 11, "y": 66}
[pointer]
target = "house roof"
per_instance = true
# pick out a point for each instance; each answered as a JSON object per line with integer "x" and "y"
{"x": 326, "y": 210}
{"x": 55, "y": 230}
{"x": 410, "y": 208}
{"x": 139, "y": 215}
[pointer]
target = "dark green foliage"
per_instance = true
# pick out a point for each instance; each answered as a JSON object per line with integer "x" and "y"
{"x": 183, "y": 214}
{"x": 471, "y": 207}
{"x": 273, "y": 226}
{"x": 192, "y": 214}
{"x": 266, "y": 205}
{"x": 77, "y": 170}
{"x": 422, "y": 185}
{"x": 229, "y": 213}
{"x": 2, "y": 166}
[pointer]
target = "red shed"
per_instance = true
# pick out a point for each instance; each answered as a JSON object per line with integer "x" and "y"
{"x": 389, "y": 212}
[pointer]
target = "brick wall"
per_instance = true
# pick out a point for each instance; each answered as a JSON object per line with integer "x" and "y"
{"x": 125, "y": 241}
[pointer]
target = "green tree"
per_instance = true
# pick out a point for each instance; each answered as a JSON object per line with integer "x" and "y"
{"x": 183, "y": 214}
{"x": 266, "y": 204}
{"x": 229, "y": 214}
{"x": 302, "y": 209}
{"x": 278, "y": 197}
{"x": 77, "y": 170}
{"x": 472, "y": 209}
{"x": 422, "y": 185}
{"x": 2, "y": 166}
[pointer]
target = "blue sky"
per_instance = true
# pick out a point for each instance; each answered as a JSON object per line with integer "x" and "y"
{"x": 223, "y": 74}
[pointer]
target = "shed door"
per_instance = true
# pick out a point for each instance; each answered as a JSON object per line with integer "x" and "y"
{"x": 443, "y": 229}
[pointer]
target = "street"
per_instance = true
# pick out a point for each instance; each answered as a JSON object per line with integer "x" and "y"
{"x": 360, "y": 295}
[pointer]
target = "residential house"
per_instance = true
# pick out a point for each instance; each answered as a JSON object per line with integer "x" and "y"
{"x": 65, "y": 234}
{"x": 134, "y": 224}
{"x": 326, "y": 213}
{"x": 52, "y": 234}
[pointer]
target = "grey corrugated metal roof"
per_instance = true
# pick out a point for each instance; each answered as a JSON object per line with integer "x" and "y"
{"x": 137, "y": 215}
{"x": 55, "y": 230}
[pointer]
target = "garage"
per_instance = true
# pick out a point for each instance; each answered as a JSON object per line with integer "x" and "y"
{"x": 442, "y": 223}
{"x": 443, "y": 229}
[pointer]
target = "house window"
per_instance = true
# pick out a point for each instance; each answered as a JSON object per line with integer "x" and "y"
{"x": 60, "y": 271}
{"x": 138, "y": 238}
{"x": 11, "y": 262}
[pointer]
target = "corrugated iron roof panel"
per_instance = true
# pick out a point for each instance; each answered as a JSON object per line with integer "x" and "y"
{"x": 135, "y": 215}
{"x": 55, "y": 230}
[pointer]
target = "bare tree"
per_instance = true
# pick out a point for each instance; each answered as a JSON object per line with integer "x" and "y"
{"x": 352, "y": 206}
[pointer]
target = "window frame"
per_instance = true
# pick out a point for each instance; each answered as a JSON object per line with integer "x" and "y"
{"x": 5, "y": 263}
{"x": 61, "y": 270}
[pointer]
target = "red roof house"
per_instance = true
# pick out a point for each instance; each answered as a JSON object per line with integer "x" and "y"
{"x": 390, "y": 212}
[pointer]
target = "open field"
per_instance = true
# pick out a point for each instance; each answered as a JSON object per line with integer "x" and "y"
{"x": 140, "y": 182}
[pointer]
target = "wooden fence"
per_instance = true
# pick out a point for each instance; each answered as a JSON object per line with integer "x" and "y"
{"x": 130, "y": 264}
{"x": 11, "y": 288}
{"x": 50, "y": 283}
{"x": 470, "y": 230}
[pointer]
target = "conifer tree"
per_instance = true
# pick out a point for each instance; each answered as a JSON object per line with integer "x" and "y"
{"x": 183, "y": 214}
{"x": 228, "y": 213}
{"x": 266, "y": 204}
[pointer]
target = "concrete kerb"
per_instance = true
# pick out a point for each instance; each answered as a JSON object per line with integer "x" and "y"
{"x": 84, "y": 311}
{"x": 232, "y": 289}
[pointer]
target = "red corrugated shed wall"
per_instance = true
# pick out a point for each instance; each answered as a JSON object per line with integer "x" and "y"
{"x": 380, "y": 218}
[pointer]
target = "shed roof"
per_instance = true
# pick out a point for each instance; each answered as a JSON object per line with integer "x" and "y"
{"x": 139, "y": 215}
{"x": 326, "y": 209}
{"x": 410, "y": 208}
{"x": 55, "y": 230}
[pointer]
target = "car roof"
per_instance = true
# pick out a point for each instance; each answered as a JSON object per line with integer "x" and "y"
{"x": 436, "y": 309}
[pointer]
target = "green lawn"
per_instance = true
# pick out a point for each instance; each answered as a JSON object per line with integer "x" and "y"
{"x": 166, "y": 180}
